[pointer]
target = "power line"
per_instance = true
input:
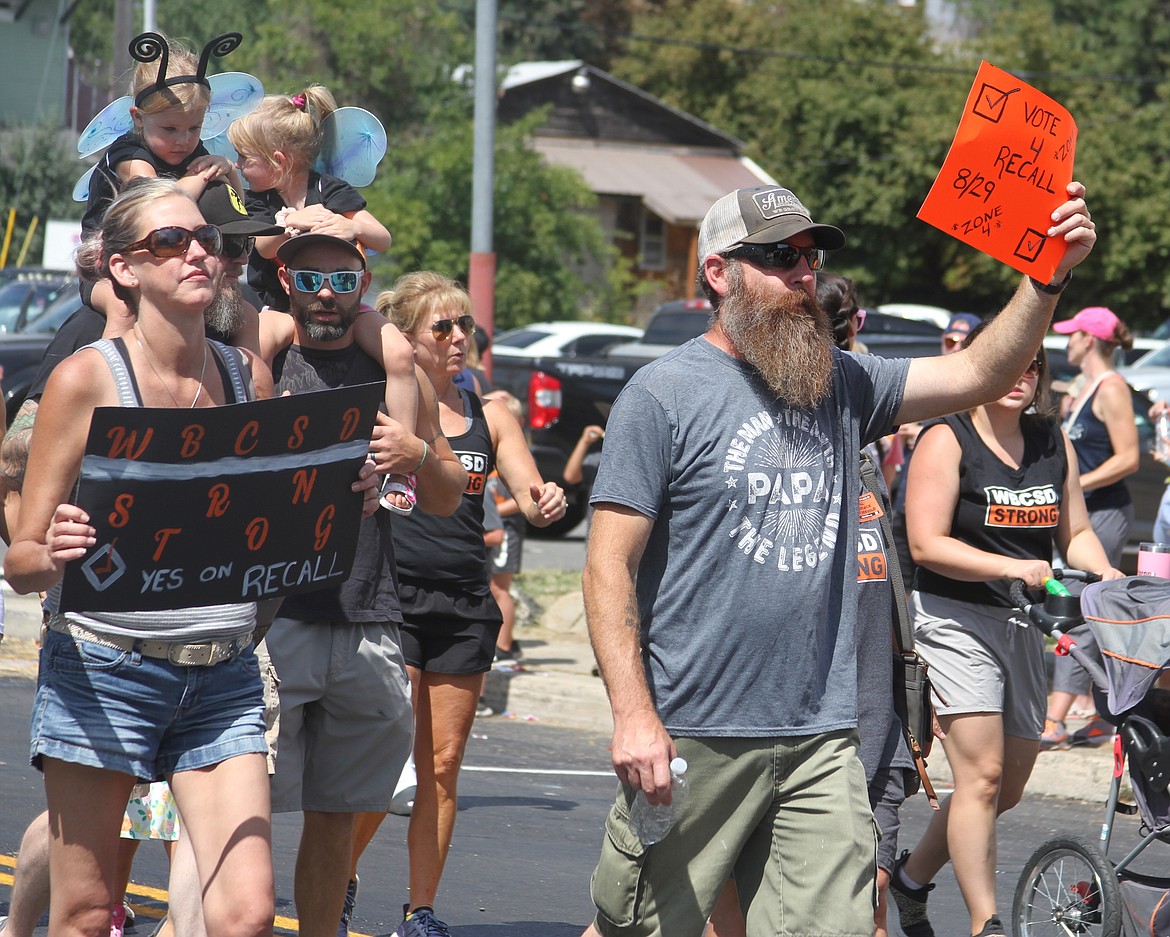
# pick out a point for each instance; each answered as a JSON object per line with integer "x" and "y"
{"x": 758, "y": 52}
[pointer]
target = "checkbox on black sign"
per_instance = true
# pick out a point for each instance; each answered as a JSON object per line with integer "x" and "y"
{"x": 1031, "y": 244}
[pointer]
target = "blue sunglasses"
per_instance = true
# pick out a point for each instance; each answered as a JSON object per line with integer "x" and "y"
{"x": 311, "y": 281}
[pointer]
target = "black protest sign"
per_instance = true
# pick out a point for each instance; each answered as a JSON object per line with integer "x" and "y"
{"x": 227, "y": 504}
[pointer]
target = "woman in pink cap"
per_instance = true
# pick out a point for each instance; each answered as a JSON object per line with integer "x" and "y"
{"x": 1099, "y": 420}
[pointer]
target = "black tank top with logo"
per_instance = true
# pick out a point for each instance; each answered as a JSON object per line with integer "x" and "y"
{"x": 451, "y": 549}
{"x": 1009, "y": 511}
{"x": 370, "y": 594}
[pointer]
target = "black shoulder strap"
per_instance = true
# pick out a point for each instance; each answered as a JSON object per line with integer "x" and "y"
{"x": 903, "y": 633}
{"x": 907, "y": 657}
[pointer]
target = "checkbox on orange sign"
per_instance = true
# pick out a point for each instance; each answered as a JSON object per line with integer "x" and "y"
{"x": 1030, "y": 245}
{"x": 991, "y": 102}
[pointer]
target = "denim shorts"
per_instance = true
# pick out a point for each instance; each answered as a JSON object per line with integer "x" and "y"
{"x": 117, "y": 710}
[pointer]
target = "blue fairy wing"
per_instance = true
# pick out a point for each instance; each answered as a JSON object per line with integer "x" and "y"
{"x": 81, "y": 187}
{"x": 354, "y": 143}
{"x": 113, "y": 121}
{"x": 233, "y": 94}
{"x": 222, "y": 146}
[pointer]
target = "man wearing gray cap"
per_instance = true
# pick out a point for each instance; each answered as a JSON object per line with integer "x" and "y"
{"x": 720, "y": 582}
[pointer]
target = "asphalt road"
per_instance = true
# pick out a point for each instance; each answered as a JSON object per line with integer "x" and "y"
{"x": 567, "y": 552}
{"x": 533, "y": 800}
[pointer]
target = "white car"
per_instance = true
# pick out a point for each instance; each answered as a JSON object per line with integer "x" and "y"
{"x": 1151, "y": 374}
{"x": 561, "y": 339}
{"x": 935, "y": 315}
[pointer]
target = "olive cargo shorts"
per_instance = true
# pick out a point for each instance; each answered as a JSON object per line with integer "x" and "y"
{"x": 789, "y": 817}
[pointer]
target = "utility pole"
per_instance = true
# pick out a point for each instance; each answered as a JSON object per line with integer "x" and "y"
{"x": 481, "y": 280}
{"x": 123, "y": 33}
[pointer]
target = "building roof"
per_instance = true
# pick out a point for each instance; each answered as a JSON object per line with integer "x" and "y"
{"x": 677, "y": 184}
{"x": 591, "y": 102}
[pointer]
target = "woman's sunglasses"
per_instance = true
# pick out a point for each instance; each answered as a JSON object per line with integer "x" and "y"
{"x": 1033, "y": 367}
{"x": 779, "y": 256}
{"x": 173, "y": 241}
{"x": 442, "y": 328}
{"x": 311, "y": 281}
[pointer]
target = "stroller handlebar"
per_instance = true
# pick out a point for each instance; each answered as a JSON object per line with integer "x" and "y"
{"x": 1053, "y": 612}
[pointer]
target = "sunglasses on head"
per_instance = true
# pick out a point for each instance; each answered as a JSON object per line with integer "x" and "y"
{"x": 236, "y": 245}
{"x": 311, "y": 281}
{"x": 778, "y": 256}
{"x": 173, "y": 241}
{"x": 442, "y": 329}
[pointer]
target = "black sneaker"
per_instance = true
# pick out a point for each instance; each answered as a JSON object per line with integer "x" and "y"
{"x": 911, "y": 902}
{"x": 351, "y": 891}
{"x": 993, "y": 928}
{"x": 421, "y": 922}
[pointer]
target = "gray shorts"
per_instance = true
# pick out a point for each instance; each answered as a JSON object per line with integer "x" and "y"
{"x": 981, "y": 662}
{"x": 790, "y": 818}
{"x": 346, "y": 726}
{"x": 1112, "y": 525}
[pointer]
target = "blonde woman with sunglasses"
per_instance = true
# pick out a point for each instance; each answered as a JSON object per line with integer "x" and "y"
{"x": 992, "y": 492}
{"x": 450, "y": 618}
{"x": 112, "y": 706}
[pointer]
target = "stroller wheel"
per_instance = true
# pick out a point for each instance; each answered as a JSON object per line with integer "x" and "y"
{"x": 1067, "y": 887}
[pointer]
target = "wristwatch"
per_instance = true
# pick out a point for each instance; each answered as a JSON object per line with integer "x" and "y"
{"x": 1052, "y": 289}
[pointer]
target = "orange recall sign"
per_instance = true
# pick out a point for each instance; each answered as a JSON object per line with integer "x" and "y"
{"x": 1007, "y": 170}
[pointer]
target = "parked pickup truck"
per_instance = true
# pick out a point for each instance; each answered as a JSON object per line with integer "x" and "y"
{"x": 563, "y": 395}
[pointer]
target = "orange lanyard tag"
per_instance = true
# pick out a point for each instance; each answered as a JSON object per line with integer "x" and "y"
{"x": 869, "y": 507}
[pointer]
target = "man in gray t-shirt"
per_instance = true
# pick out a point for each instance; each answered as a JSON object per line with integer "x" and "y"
{"x": 721, "y": 577}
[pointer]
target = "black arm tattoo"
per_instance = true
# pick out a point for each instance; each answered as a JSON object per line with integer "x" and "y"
{"x": 14, "y": 449}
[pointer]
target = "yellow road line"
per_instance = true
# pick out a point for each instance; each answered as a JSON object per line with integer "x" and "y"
{"x": 280, "y": 922}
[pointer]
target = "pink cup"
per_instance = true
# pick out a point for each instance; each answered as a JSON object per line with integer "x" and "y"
{"x": 1154, "y": 560}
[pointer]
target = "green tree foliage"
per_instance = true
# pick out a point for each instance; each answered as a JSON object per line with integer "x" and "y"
{"x": 855, "y": 108}
{"x": 395, "y": 57}
{"x": 852, "y": 103}
{"x": 1110, "y": 66}
{"x": 851, "y": 108}
{"x": 38, "y": 167}
{"x": 552, "y": 257}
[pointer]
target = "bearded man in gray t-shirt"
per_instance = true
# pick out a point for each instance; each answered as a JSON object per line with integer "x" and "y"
{"x": 721, "y": 581}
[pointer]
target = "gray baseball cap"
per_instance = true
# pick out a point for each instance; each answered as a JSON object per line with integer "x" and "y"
{"x": 763, "y": 215}
{"x": 288, "y": 251}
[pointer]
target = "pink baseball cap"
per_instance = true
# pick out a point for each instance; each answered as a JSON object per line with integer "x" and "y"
{"x": 1098, "y": 321}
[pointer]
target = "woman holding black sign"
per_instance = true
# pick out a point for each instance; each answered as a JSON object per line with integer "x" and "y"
{"x": 131, "y": 695}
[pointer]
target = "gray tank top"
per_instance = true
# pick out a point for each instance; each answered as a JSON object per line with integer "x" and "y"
{"x": 189, "y": 625}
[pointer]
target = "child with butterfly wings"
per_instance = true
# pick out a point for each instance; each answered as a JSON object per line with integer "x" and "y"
{"x": 287, "y": 147}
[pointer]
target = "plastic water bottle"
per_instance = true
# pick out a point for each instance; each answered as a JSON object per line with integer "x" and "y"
{"x": 1162, "y": 440}
{"x": 651, "y": 822}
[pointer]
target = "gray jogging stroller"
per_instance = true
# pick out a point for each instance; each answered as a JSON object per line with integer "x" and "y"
{"x": 1070, "y": 886}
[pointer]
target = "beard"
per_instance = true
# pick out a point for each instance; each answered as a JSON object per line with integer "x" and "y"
{"x": 787, "y": 338}
{"x": 226, "y": 312}
{"x": 326, "y": 332}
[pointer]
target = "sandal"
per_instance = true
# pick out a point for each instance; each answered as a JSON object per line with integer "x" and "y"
{"x": 402, "y": 485}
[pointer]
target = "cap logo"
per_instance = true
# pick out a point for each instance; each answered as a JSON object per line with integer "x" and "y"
{"x": 237, "y": 202}
{"x": 776, "y": 202}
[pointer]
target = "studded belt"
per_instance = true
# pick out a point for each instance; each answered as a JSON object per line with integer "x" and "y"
{"x": 202, "y": 654}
